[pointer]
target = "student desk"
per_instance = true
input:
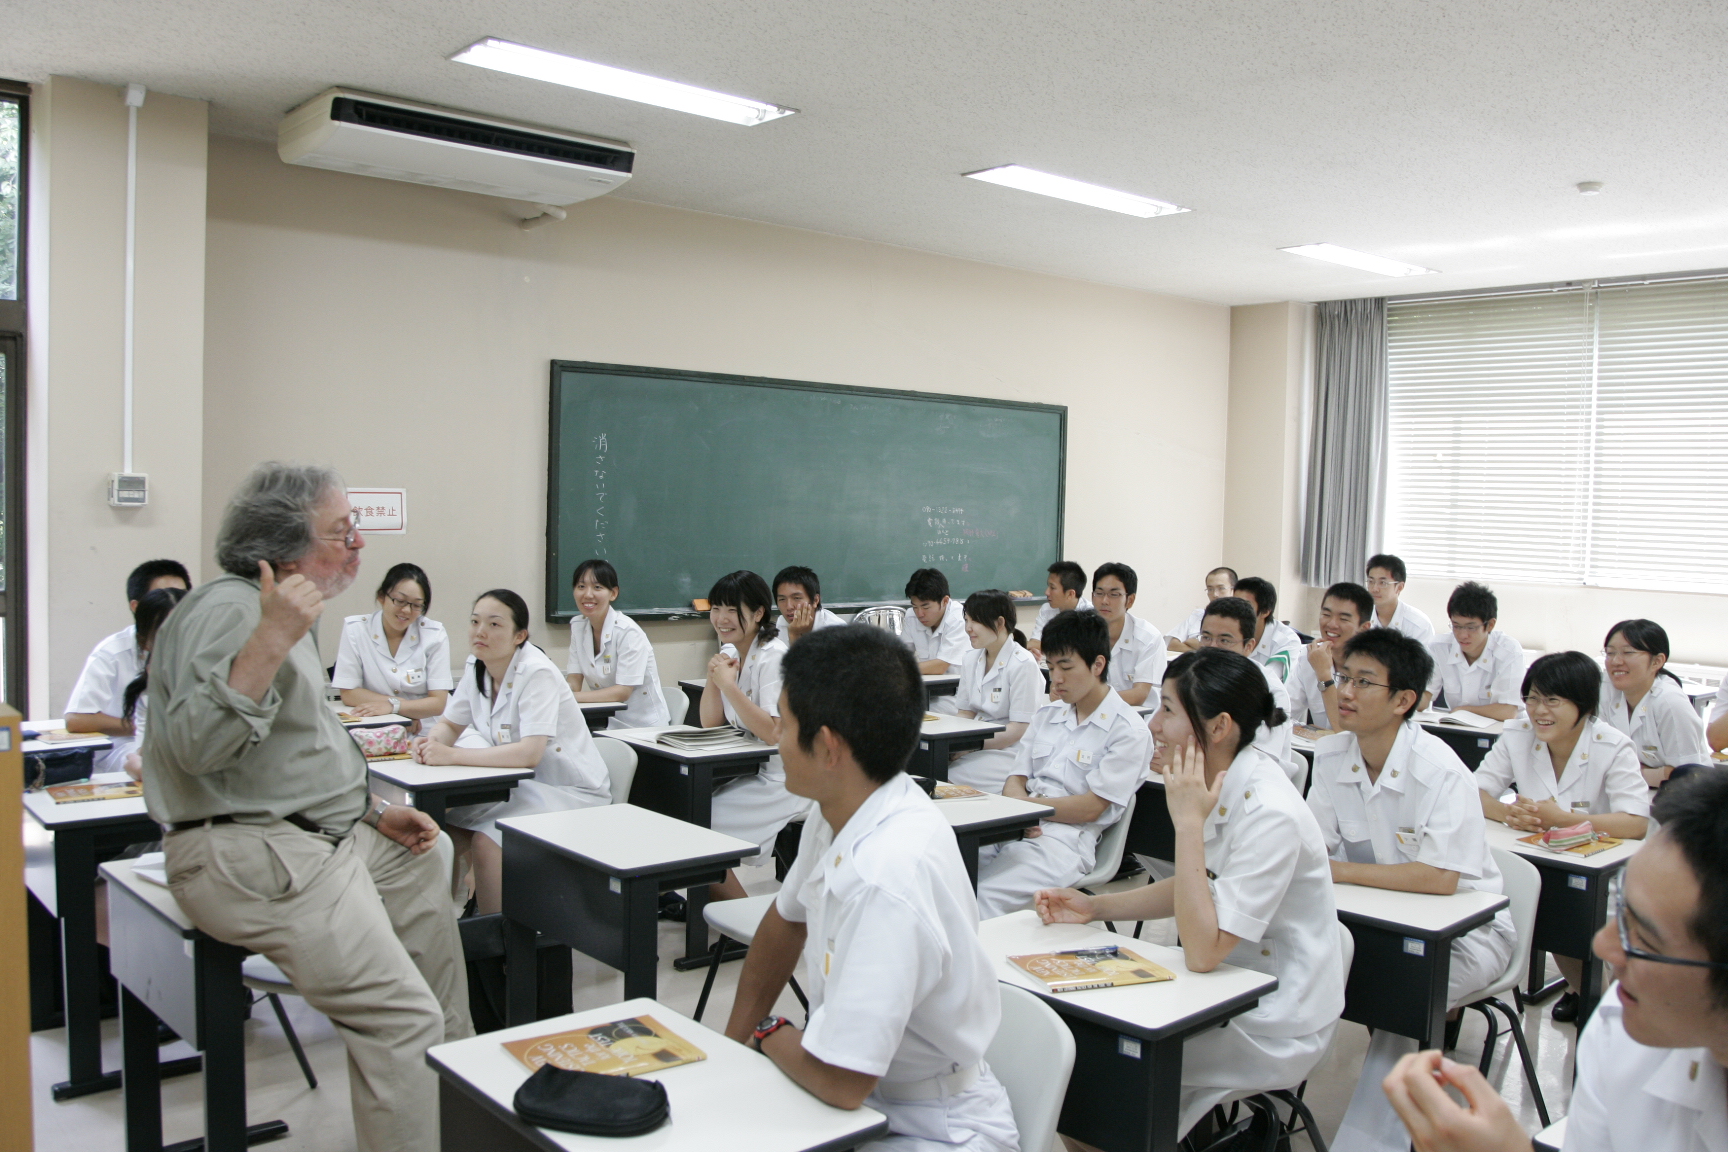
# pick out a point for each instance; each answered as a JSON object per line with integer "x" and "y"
{"x": 436, "y": 789}
{"x": 681, "y": 784}
{"x": 94, "y": 744}
{"x": 170, "y": 971}
{"x": 591, "y": 878}
{"x": 1471, "y": 744}
{"x": 1404, "y": 954}
{"x": 1127, "y": 1082}
{"x": 368, "y": 721}
{"x": 599, "y": 712}
{"x": 734, "y": 1101}
{"x": 1572, "y": 907}
{"x": 63, "y": 843}
{"x": 940, "y": 738}
{"x": 982, "y": 820}
{"x": 945, "y": 684}
{"x": 693, "y": 697}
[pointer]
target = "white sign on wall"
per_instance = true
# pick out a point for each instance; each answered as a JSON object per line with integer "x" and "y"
{"x": 383, "y": 511}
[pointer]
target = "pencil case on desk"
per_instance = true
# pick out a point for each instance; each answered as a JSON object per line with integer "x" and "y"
{"x": 590, "y": 1104}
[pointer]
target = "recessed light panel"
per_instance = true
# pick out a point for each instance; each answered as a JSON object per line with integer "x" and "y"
{"x": 1078, "y": 191}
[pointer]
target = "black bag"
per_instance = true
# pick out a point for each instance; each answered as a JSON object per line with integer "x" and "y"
{"x": 590, "y": 1104}
{"x": 60, "y": 766}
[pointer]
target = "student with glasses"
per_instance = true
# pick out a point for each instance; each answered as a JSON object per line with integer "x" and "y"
{"x": 1386, "y": 576}
{"x": 1137, "y": 650}
{"x": 1565, "y": 764}
{"x": 1645, "y": 700}
{"x": 1650, "y": 1061}
{"x": 1476, "y": 669}
{"x": 395, "y": 661}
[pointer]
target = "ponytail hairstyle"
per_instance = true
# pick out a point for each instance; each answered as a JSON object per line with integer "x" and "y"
{"x": 992, "y": 605}
{"x": 1210, "y": 681}
{"x": 745, "y": 592}
{"x": 518, "y": 608}
{"x": 153, "y": 608}
{"x": 1645, "y": 636}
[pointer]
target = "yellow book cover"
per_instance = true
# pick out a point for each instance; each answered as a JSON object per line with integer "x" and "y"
{"x": 947, "y": 791}
{"x": 76, "y": 793}
{"x": 1108, "y": 967}
{"x": 620, "y": 1048}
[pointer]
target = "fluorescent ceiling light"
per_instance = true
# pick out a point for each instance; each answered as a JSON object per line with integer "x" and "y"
{"x": 1080, "y": 192}
{"x": 1351, "y": 258}
{"x": 556, "y": 68}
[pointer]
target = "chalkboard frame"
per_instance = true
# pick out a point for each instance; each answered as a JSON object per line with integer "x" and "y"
{"x": 555, "y": 565}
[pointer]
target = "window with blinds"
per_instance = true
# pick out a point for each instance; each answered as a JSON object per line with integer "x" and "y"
{"x": 1574, "y": 436}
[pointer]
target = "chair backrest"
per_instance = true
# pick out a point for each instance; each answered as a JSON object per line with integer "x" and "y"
{"x": 887, "y": 616}
{"x": 675, "y": 701}
{"x": 1522, "y": 883}
{"x": 1346, "y": 945}
{"x": 1032, "y": 1056}
{"x": 1111, "y": 842}
{"x": 620, "y": 761}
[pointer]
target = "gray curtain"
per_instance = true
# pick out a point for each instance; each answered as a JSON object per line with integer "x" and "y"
{"x": 1347, "y": 442}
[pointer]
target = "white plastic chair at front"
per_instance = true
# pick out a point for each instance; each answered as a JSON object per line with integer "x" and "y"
{"x": 1523, "y": 887}
{"x": 1032, "y": 1055}
{"x": 1108, "y": 860}
{"x": 620, "y": 761}
{"x": 736, "y": 920}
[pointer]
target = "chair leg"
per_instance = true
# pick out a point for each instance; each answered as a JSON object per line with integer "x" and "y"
{"x": 799, "y": 992}
{"x": 293, "y": 1040}
{"x": 1491, "y": 1039}
{"x": 1138, "y": 924}
{"x": 1516, "y": 1026}
{"x": 1299, "y": 1110}
{"x": 708, "y": 981}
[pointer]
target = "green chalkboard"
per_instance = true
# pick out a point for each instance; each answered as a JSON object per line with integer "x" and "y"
{"x": 678, "y": 478}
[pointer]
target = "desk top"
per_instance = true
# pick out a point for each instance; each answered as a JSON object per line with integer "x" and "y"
{"x": 1152, "y": 1011}
{"x": 365, "y": 721}
{"x": 942, "y": 680}
{"x": 1435, "y": 720}
{"x": 645, "y": 738}
{"x": 157, "y": 898}
{"x": 1417, "y": 913}
{"x": 412, "y": 777}
{"x": 718, "y": 1104}
{"x": 603, "y": 707}
{"x": 85, "y": 813}
{"x": 1500, "y": 836}
{"x": 624, "y": 840}
{"x": 94, "y": 740}
{"x": 988, "y": 811}
{"x": 958, "y": 726}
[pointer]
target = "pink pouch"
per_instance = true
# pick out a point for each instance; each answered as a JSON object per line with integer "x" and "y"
{"x": 378, "y": 743}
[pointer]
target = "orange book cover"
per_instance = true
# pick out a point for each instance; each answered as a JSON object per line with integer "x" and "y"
{"x": 1083, "y": 968}
{"x": 619, "y": 1048}
{"x": 77, "y": 793}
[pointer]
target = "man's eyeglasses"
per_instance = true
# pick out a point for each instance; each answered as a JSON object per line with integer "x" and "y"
{"x": 350, "y": 537}
{"x": 1357, "y": 682}
{"x": 1382, "y": 583}
{"x": 1467, "y": 629}
{"x": 1617, "y": 906}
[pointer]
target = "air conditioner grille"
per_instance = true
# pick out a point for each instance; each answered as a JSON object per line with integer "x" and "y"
{"x": 511, "y": 140}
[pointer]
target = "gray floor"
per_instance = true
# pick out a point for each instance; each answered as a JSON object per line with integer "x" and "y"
{"x": 319, "y": 1120}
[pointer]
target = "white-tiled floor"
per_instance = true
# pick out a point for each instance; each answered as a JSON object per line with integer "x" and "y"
{"x": 319, "y": 1121}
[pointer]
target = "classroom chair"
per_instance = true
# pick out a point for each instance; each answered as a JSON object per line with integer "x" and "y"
{"x": 260, "y": 975}
{"x": 1108, "y": 860}
{"x": 1032, "y": 1055}
{"x": 1523, "y": 888}
{"x": 736, "y": 920}
{"x": 620, "y": 761}
{"x": 887, "y": 616}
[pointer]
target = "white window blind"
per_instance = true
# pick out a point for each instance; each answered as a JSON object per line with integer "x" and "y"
{"x": 1574, "y": 436}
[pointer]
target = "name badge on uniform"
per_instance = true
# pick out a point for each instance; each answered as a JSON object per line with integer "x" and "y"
{"x": 413, "y": 676}
{"x": 995, "y": 695}
{"x": 1580, "y": 806}
{"x": 503, "y": 733}
{"x": 1081, "y": 756}
{"x": 1408, "y": 838}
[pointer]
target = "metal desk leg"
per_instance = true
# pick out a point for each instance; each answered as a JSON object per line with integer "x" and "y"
{"x": 969, "y": 856}
{"x": 522, "y": 979}
{"x": 80, "y": 965}
{"x": 143, "y": 1079}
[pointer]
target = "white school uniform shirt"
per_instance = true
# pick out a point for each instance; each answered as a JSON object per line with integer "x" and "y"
{"x": 1047, "y": 613}
{"x": 1601, "y": 775}
{"x": 925, "y": 1005}
{"x": 420, "y": 664}
{"x": 533, "y": 700}
{"x": 1719, "y": 708}
{"x": 1632, "y": 1098}
{"x": 1138, "y": 656}
{"x": 822, "y": 619}
{"x": 101, "y": 687}
{"x": 947, "y": 641}
{"x": 1493, "y": 679}
{"x": 1307, "y": 701}
{"x": 1190, "y": 629}
{"x": 759, "y": 680}
{"x": 1276, "y": 742}
{"x": 1007, "y": 691}
{"x": 1279, "y": 649}
{"x": 625, "y": 657}
{"x": 1108, "y": 754}
{"x": 1665, "y": 727}
{"x": 1408, "y": 619}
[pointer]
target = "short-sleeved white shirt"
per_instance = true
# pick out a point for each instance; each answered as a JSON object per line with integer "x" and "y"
{"x": 1276, "y": 742}
{"x": 1665, "y": 727}
{"x": 1493, "y": 679}
{"x": 759, "y": 678}
{"x": 1719, "y": 708}
{"x": 1047, "y": 613}
{"x": 1307, "y": 701}
{"x": 1138, "y": 656}
{"x": 420, "y": 664}
{"x": 1190, "y": 629}
{"x": 1280, "y": 649}
{"x": 1408, "y": 619}
{"x": 625, "y": 657}
{"x": 1634, "y": 1098}
{"x": 822, "y": 619}
{"x": 1007, "y": 691}
{"x": 947, "y": 641}
{"x": 1601, "y": 775}
{"x": 101, "y": 687}
{"x": 1272, "y": 886}
{"x": 1108, "y": 754}
{"x": 535, "y": 700}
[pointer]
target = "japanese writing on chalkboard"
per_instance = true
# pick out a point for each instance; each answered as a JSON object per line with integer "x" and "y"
{"x": 602, "y": 452}
{"x": 943, "y": 545}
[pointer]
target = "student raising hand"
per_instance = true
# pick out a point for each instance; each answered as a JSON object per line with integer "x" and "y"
{"x": 1437, "y": 1123}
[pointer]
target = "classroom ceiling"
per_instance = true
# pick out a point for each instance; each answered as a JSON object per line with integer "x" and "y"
{"x": 1446, "y": 135}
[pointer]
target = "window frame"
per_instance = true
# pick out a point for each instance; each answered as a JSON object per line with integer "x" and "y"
{"x": 14, "y": 328}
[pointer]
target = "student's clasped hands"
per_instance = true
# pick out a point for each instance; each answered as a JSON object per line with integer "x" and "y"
{"x": 1524, "y": 815}
{"x": 426, "y": 750}
{"x": 1437, "y": 1123}
{"x": 723, "y": 668}
{"x": 1185, "y": 791}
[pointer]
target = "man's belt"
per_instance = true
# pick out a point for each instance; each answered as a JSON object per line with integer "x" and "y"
{"x": 298, "y": 819}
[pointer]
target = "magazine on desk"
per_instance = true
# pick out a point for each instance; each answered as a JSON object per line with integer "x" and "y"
{"x": 1083, "y": 968}
{"x": 1463, "y": 719}
{"x": 80, "y": 793}
{"x": 722, "y": 739}
{"x": 627, "y": 1047}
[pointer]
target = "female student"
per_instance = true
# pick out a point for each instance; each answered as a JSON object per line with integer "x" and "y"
{"x": 744, "y": 690}
{"x": 1253, "y": 885}
{"x": 1000, "y": 682}
{"x": 1646, "y": 702}
{"x": 147, "y": 619}
{"x": 395, "y": 661}
{"x": 610, "y": 656}
{"x": 1566, "y": 765}
{"x": 518, "y": 713}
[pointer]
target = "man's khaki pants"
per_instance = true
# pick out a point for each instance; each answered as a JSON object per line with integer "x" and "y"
{"x": 364, "y": 931}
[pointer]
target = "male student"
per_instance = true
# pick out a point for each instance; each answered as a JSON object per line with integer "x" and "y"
{"x": 98, "y": 698}
{"x": 1227, "y": 623}
{"x": 1650, "y": 1062}
{"x": 1064, "y": 591}
{"x": 1220, "y": 582}
{"x": 1478, "y": 668}
{"x": 1344, "y": 611}
{"x": 798, "y": 595}
{"x": 1399, "y": 811}
{"x": 1082, "y": 756}
{"x": 1386, "y": 584}
{"x": 903, "y": 999}
{"x": 1276, "y": 644}
{"x": 1137, "y": 650}
{"x": 935, "y": 628}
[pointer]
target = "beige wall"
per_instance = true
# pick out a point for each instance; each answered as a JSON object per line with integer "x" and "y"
{"x": 403, "y": 335}
{"x": 81, "y": 548}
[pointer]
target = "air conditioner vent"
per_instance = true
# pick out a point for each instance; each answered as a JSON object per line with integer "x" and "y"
{"x": 477, "y": 135}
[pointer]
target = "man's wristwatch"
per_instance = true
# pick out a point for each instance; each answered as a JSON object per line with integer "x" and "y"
{"x": 767, "y": 1028}
{"x": 1326, "y": 685}
{"x": 375, "y": 814}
